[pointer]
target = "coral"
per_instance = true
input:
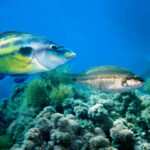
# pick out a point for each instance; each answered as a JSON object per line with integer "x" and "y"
{"x": 98, "y": 142}
{"x": 145, "y": 122}
{"x": 36, "y": 135}
{"x": 130, "y": 103}
{"x": 122, "y": 136}
{"x": 18, "y": 128}
{"x": 81, "y": 111}
{"x": 86, "y": 124}
{"x": 33, "y": 134}
{"x": 80, "y": 108}
{"x": 60, "y": 148}
{"x": 33, "y": 140}
{"x": 43, "y": 125}
{"x": 99, "y": 131}
{"x": 146, "y": 146}
{"x": 146, "y": 116}
{"x": 62, "y": 132}
{"x": 99, "y": 114}
{"x": 15, "y": 147}
{"x": 61, "y": 138}
{"x": 46, "y": 112}
{"x": 75, "y": 106}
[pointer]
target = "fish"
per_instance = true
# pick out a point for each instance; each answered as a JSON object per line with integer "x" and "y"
{"x": 106, "y": 79}
{"x": 23, "y": 54}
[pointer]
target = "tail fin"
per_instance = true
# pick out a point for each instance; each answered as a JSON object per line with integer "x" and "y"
{"x": 68, "y": 78}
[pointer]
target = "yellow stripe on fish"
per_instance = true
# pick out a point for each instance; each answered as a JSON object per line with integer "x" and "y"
{"x": 8, "y": 50}
{"x": 9, "y": 40}
{"x": 8, "y": 46}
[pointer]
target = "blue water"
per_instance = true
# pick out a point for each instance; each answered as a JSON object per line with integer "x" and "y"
{"x": 101, "y": 32}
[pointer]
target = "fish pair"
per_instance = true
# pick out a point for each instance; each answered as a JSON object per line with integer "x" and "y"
{"x": 24, "y": 54}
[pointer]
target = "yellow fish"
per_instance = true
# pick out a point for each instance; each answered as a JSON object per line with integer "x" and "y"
{"x": 24, "y": 54}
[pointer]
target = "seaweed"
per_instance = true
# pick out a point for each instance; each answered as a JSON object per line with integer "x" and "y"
{"x": 6, "y": 142}
{"x": 59, "y": 94}
{"x": 36, "y": 95}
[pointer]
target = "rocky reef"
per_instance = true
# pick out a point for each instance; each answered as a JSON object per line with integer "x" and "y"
{"x": 45, "y": 114}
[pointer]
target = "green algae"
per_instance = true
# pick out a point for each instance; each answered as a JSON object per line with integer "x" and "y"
{"x": 5, "y": 142}
{"x": 58, "y": 95}
{"x": 36, "y": 95}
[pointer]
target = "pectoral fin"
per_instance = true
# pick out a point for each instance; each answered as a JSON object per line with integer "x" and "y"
{"x": 20, "y": 79}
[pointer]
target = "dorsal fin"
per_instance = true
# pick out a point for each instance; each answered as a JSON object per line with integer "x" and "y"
{"x": 105, "y": 69}
{"x": 9, "y": 33}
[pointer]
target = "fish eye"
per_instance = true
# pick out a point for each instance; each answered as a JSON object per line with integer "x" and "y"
{"x": 138, "y": 79}
{"x": 53, "y": 46}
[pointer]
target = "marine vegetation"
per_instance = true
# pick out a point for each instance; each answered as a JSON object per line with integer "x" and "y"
{"x": 5, "y": 142}
{"x": 46, "y": 114}
{"x": 36, "y": 95}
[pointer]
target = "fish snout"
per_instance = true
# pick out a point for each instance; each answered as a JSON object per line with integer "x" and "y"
{"x": 70, "y": 55}
{"x": 134, "y": 83}
{"x": 142, "y": 83}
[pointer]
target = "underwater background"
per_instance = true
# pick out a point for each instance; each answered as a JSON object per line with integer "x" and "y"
{"x": 44, "y": 114}
{"x": 101, "y": 32}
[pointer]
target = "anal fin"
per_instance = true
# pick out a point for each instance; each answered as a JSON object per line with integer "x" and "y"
{"x": 2, "y": 76}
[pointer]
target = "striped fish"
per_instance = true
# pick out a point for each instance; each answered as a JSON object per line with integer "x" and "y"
{"x": 23, "y": 54}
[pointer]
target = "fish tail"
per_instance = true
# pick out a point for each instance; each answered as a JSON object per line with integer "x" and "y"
{"x": 68, "y": 78}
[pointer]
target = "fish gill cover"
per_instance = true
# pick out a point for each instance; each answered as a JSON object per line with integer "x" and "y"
{"x": 46, "y": 114}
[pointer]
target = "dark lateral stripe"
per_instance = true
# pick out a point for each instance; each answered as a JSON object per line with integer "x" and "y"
{"x": 18, "y": 42}
{"x": 15, "y": 43}
{"x": 5, "y": 45}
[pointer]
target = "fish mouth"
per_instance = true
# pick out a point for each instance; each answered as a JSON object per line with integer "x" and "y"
{"x": 69, "y": 55}
{"x": 142, "y": 83}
